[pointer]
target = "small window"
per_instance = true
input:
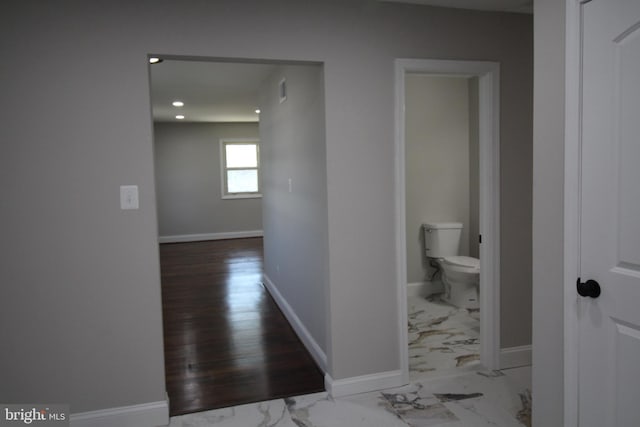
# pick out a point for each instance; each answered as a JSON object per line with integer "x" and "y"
{"x": 240, "y": 168}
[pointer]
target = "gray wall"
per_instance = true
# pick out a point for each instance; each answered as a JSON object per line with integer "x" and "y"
{"x": 188, "y": 188}
{"x": 548, "y": 214}
{"x": 295, "y": 222}
{"x": 474, "y": 167}
{"x": 438, "y": 160}
{"x": 80, "y": 277}
{"x": 516, "y": 132}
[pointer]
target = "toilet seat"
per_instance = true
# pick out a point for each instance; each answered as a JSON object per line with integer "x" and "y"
{"x": 463, "y": 263}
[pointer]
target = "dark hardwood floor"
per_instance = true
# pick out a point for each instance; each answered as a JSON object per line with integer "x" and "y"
{"x": 226, "y": 342}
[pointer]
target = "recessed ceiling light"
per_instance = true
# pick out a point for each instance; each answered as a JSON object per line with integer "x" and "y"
{"x": 257, "y": 111}
{"x": 155, "y": 60}
{"x": 177, "y": 104}
{"x": 180, "y": 117}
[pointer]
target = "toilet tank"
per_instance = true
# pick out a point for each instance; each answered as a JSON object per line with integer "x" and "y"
{"x": 442, "y": 239}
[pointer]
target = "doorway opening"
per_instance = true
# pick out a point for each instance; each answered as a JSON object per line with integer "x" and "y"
{"x": 222, "y": 138}
{"x": 449, "y": 197}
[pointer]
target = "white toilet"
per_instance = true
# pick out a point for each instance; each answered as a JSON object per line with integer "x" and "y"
{"x": 460, "y": 274}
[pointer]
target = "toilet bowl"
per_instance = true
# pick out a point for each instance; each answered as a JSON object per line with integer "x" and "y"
{"x": 460, "y": 274}
{"x": 461, "y": 280}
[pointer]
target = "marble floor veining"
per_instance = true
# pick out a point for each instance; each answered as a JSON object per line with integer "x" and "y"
{"x": 441, "y": 337}
{"x": 470, "y": 399}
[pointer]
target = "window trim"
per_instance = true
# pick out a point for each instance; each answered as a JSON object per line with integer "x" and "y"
{"x": 223, "y": 168}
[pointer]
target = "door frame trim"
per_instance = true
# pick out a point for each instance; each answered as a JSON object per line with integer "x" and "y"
{"x": 572, "y": 174}
{"x": 488, "y": 74}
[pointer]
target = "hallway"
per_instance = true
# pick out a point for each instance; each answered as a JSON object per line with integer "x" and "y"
{"x": 226, "y": 342}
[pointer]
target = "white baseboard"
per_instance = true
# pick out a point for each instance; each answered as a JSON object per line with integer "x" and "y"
{"x": 153, "y": 414}
{"x": 424, "y": 289}
{"x": 303, "y": 333}
{"x": 364, "y": 383}
{"x": 180, "y": 238}
{"x": 514, "y": 357}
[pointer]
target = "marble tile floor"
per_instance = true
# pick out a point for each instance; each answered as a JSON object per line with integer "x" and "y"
{"x": 470, "y": 399}
{"x": 441, "y": 337}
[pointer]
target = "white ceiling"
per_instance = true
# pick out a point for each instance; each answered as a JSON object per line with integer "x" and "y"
{"x": 519, "y": 6}
{"x": 211, "y": 91}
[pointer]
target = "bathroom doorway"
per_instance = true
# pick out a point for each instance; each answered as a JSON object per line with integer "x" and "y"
{"x": 447, "y": 153}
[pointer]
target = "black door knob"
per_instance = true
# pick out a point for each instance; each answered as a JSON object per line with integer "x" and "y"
{"x": 590, "y": 288}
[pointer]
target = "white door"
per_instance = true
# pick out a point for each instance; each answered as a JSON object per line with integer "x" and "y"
{"x": 609, "y": 337}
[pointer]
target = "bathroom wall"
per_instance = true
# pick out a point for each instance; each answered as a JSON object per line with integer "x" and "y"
{"x": 189, "y": 191}
{"x": 438, "y": 158}
{"x": 474, "y": 168}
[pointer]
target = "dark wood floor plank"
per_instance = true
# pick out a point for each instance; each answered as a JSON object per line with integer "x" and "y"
{"x": 226, "y": 341}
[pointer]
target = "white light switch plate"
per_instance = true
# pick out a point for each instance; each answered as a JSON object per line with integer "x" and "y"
{"x": 129, "y": 197}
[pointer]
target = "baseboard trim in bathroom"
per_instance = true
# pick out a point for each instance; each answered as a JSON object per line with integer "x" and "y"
{"x": 424, "y": 289}
{"x": 515, "y": 357}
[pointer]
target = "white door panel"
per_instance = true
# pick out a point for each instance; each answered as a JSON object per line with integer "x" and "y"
{"x": 609, "y": 340}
